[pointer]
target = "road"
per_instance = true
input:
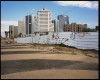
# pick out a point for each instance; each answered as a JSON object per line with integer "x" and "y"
{"x": 22, "y": 62}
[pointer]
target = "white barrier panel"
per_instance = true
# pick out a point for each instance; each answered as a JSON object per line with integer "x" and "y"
{"x": 28, "y": 40}
{"x": 87, "y": 40}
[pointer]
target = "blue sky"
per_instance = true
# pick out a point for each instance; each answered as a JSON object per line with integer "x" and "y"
{"x": 78, "y": 11}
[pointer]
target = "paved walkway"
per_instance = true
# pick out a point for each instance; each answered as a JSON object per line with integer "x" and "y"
{"x": 23, "y": 62}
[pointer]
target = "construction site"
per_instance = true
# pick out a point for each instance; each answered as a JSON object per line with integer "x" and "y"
{"x": 47, "y": 61}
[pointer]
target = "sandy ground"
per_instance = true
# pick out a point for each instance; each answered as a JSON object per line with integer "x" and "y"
{"x": 53, "y": 74}
{"x": 25, "y": 62}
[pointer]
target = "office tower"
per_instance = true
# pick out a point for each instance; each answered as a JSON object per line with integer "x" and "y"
{"x": 73, "y": 27}
{"x": 13, "y": 31}
{"x": 63, "y": 19}
{"x": 28, "y": 21}
{"x": 44, "y": 21}
{"x": 56, "y": 25}
{"x": 21, "y": 27}
{"x": 34, "y": 24}
{"x": 31, "y": 24}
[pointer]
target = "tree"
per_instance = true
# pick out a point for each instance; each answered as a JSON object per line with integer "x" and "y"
{"x": 6, "y": 33}
{"x": 96, "y": 28}
{"x": 11, "y": 34}
{"x": 88, "y": 30}
{"x": 20, "y": 34}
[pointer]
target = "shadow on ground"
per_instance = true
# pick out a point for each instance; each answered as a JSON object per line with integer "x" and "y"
{"x": 21, "y": 52}
{"x": 14, "y": 66}
{"x": 13, "y": 47}
{"x": 33, "y": 52}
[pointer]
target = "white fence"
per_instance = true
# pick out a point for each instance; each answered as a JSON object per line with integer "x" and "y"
{"x": 79, "y": 40}
{"x": 84, "y": 41}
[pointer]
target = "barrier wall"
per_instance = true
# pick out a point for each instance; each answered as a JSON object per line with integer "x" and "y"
{"x": 87, "y": 41}
{"x": 79, "y": 40}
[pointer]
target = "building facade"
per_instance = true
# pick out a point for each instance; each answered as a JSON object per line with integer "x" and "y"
{"x": 21, "y": 27}
{"x": 44, "y": 21}
{"x": 13, "y": 31}
{"x": 56, "y": 25}
{"x": 31, "y": 24}
{"x": 73, "y": 27}
{"x": 34, "y": 24}
{"x": 63, "y": 19}
{"x": 28, "y": 25}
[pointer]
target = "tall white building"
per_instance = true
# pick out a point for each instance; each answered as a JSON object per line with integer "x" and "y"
{"x": 44, "y": 21}
{"x": 34, "y": 24}
{"x": 21, "y": 27}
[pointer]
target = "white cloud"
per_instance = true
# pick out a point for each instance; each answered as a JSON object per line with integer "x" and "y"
{"x": 4, "y": 22}
{"x": 4, "y": 29}
{"x": 87, "y": 4}
{"x": 5, "y": 25}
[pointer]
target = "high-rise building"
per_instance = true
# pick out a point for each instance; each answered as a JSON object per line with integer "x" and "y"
{"x": 44, "y": 21}
{"x": 34, "y": 24}
{"x": 73, "y": 27}
{"x": 28, "y": 21}
{"x": 63, "y": 19}
{"x": 31, "y": 24}
{"x": 13, "y": 31}
{"x": 56, "y": 25}
{"x": 21, "y": 27}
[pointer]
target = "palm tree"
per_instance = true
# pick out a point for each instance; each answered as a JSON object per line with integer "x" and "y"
{"x": 6, "y": 34}
{"x": 11, "y": 34}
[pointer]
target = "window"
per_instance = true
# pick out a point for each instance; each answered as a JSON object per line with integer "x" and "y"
{"x": 44, "y": 22}
{"x": 29, "y": 28}
{"x": 26, "y": 24}
{"x": 30, "y": 18}
{"x": 43, "y": 14}
{"x": 43, "y": 18}
{"x": 43, "y": 25}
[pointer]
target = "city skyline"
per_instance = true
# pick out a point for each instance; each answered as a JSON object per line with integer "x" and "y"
{"x": 12, "y": 11}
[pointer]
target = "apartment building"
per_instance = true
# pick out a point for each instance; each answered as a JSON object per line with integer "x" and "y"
{"x": 73, "y": 27}
{"x": 44, "y": 21}
{"x": 13, "y": 31}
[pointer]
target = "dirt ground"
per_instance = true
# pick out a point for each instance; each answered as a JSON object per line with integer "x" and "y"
{"x": 37, "y": 61}
{"x": 64, "y": 49}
